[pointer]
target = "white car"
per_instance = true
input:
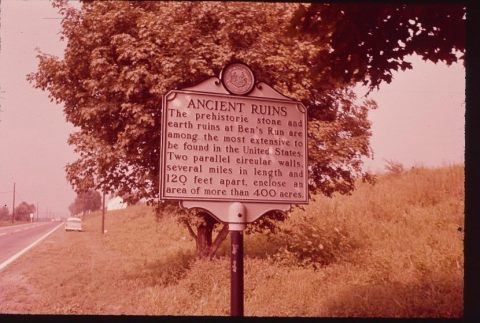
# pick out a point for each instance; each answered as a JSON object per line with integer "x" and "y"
{"x": 73, "y": 224}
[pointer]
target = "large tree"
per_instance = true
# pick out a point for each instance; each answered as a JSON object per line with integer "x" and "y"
{"x": 23, "y": 211}
{"x": 121, "y": 57}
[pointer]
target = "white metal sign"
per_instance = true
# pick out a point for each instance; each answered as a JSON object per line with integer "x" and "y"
{"x": 233, "y": 148}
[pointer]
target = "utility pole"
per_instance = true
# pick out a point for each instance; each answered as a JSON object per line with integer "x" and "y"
{"x": 103, "y": 213}
{"x": 13, "y": 207}
{"x": 37, "y": 211}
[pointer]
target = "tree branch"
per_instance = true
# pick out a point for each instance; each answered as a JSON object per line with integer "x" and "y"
{"x": 218, "y": 240}
{"x": 190, "y": 230}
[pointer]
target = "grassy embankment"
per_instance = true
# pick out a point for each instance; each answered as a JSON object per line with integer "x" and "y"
{"x": 389, "y": 250}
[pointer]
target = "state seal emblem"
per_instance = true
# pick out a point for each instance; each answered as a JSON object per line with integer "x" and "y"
{"x": 238, "y": 78}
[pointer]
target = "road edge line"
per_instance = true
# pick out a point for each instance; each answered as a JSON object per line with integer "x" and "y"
{"x": 18, "y": 254}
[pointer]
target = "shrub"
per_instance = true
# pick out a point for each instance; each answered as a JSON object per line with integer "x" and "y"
{"x": 393, "y": 167}
{"x": 309, "y": 245}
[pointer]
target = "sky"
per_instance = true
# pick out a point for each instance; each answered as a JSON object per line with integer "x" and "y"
{"x": 420, "y": 119}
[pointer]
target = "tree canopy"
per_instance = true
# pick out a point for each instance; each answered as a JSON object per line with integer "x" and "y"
{"x": 368, "y": 41}
{"x": 88, "y": 201}
{"x": 121, "y": 57}
{"x": 23, "y": 211}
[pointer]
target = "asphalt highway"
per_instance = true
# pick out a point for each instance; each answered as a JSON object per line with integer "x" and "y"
{"x": 15, "y": 238}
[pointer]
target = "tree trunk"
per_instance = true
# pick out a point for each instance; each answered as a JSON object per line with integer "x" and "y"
{"x": 204, "y": 239}
{"x": 206, "y": 246}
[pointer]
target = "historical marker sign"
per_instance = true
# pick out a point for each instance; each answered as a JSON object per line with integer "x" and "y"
{"x": 236, "y": 155}
{"x": 220, "y": 147}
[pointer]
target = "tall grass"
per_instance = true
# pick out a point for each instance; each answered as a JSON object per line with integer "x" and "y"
{"x": 390, "y": 250}
{"x": 394, "y": 249}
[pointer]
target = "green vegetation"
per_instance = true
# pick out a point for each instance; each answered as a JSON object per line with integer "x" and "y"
{"x": 85, "y": 202}
{"x": 23, "y": 211}
{"x": 393, "y": 249}
{"x": 372, "y": 40}
{"x": 22, "y": 214}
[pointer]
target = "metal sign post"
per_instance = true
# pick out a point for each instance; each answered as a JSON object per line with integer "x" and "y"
{"x": 236, "y": 265}
{"x": 237, "y": 149}
{"x": 236, "y": 226}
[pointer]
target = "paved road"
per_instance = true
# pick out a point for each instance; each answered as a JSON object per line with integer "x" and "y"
{"x": 16, "y": 238}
